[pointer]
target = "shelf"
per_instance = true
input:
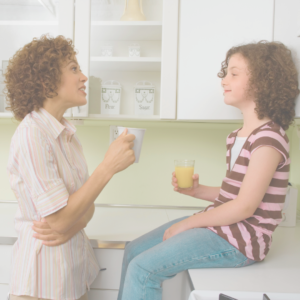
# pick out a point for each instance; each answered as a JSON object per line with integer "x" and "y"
{"x": 125, "y": 23}
{"x": 148, "y": 64}
{"x": 126, "y": 31}
{"x": 29, "y": 23}
{"x": 124, "y": 117}
{"x": 6, "y": 115}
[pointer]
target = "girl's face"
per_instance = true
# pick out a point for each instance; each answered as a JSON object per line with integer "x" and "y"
{"x": 72, "y": 89}
{"x": 235, "y": 83}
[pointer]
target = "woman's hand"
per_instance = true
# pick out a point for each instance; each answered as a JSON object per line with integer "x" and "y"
{"x": 120, "y": 154}
{"x": 49, "y": 237}
{"x": 189, "y": 192}
{"x": 176, "y": 228}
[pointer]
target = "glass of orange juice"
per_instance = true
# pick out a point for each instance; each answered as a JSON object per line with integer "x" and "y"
{"x": 184, "y": 170}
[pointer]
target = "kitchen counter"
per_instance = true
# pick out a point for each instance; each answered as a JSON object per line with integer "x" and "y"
{"x": 278, "y": 273}
{"x": 111, "y": 226}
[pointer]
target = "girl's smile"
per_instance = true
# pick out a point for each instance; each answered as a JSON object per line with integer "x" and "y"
{"x": 235, "y": 83}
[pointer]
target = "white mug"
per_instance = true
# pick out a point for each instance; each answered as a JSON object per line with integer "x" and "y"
{"x": 139, "y": 136}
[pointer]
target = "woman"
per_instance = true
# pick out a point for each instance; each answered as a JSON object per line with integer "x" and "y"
{"x": 49, "y": 176}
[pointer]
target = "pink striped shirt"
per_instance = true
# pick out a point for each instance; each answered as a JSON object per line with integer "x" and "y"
{"x": 46, "y": 165}
{"x": 253, "y": 236}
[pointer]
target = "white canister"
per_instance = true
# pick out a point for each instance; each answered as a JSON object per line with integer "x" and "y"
{"x": 110, "y": 97}
{"x": 3, "y": 103}
{"x": 134, "y": 50}
{"x": 106, "y": 50}
{"x": 144, "y": 98}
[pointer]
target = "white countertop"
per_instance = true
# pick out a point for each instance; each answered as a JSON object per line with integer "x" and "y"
{"x": 278, "y": 273}
{"x": 108, "y": 223}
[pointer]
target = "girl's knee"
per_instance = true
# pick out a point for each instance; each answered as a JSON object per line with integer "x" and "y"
{"x": 134, "y": 269}
{"x": 131, "y": 251}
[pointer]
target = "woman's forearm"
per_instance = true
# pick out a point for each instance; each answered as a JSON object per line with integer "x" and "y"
{"x": 80, "y": 202}
{"x": 89, "y": 214}
{"x": 82, "y": 223}
{"x": 208, "y": 193}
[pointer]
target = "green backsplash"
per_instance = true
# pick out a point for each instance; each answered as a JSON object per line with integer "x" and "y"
{"x": 149, "y": 181}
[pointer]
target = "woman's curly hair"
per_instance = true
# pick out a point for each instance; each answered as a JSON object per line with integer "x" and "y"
{"x": 273, "y": 79}
{"x": 34, "y": 73}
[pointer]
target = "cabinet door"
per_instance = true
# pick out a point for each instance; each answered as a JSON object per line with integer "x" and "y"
{"x": 94, "y": 294}
{"x": 207, "y": 30}
{"x": 82, "y": 45}
{"x": 66, "y": 26}
{"x": 287, "y": 31}
{"x": 111, "y": 261}
{"x": 21, "y": 21}
{"x": 4, "y": 288}
{"x": 98, "y": 27}
{"x": 169, "y": 59}
{"x": 5, "y": 263}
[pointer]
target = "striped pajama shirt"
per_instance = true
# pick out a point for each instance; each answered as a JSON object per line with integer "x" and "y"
{"x": 46, "y": 165}
{"x": 253, "y": 236}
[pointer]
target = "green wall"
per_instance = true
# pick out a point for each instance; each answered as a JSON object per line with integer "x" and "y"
{"x": 149, "y": 181}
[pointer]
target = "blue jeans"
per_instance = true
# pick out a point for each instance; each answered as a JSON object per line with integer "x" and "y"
{"x": 148, "y": 261}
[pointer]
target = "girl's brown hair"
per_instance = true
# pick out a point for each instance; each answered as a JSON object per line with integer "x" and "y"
{"x": 273, "y": 79}
{"x": 34, "y": 73}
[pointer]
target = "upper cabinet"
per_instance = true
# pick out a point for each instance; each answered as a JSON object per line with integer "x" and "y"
{"x": 287, "y": 31}
{"x": 131, "y": 65}
{"x": 207, "y": 30}
{"x": 23, "y": 20}
{"x": 164, "y": 67}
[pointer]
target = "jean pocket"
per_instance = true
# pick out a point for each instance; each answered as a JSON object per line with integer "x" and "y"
{"x": 245, "y": 263}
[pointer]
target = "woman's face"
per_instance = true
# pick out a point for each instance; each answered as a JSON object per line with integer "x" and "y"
{"x": 235, "y": 83}
{"x": 72, "y": 89}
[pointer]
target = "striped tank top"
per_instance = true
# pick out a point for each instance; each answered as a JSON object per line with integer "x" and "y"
{"x": 253, "y": 236}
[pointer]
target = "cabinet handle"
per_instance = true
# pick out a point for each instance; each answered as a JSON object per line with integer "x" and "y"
{"x": 104, "y": 269}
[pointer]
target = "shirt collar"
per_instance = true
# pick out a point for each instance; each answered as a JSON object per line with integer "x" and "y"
{"x": 54, "y": 126}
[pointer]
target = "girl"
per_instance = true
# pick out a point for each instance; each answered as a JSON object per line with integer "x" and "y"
{"x": 236, "y": 230}
{"x": 49, "y": 176}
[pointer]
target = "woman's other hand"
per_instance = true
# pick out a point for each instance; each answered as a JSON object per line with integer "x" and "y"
{"x": 49, "y": 237}
{"x": 189, "y": 192}
{"x": 120, "y": 154}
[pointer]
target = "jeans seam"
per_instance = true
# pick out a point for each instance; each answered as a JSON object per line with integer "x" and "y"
{"x": 154, "y": 273}
{"x": 242, "y": 263}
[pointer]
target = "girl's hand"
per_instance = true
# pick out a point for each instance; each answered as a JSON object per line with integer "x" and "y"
{"x": 49, "y": 237}
{"x": 176, "y": 228}
{"x": 189, "y": 192}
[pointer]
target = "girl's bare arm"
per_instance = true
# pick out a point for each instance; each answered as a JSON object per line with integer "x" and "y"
{"x": 261, "y": 169}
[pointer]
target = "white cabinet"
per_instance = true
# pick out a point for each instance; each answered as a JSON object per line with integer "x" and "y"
{"x": 4, "y": 288}
{"x": 5, "y": 267}
{"x": 5, "y": 263}
{"x": 207, "y": 30}
{"x": 102, "y": 294}
{"x": 21, "y": 21}
{"x": 98, "y": 25}
{"x": 111, "y": 261}
{"x": 287, "y": 31}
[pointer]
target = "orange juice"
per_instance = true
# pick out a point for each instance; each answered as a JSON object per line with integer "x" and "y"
{"x": 184, "y": 176}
